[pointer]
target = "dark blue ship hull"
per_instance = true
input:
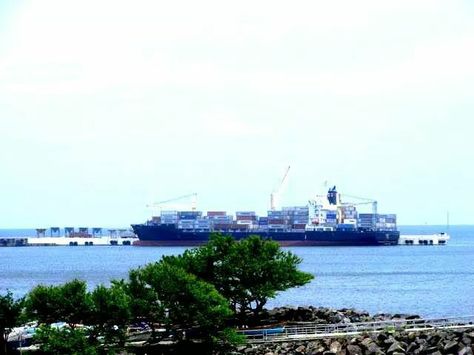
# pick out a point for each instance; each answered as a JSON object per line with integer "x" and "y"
{"x": 169, "y": 235}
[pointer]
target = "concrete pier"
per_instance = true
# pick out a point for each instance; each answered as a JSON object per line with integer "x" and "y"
{"x": 77, "y": 241}
{"x": 13, "y": 242}
{"x": 421, "y": 239}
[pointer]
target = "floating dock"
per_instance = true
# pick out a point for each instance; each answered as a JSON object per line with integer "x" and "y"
{"x": 424, "y": 239}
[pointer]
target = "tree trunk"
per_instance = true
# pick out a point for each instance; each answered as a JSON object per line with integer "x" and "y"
{"x": 259, "y": 307}
{"x": 243, "y": 314}
{"x": 3, "y": 342}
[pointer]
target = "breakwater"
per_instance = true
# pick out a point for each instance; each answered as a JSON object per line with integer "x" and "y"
{"x": 344, "y": 334}
{"x": 436, "y": 342}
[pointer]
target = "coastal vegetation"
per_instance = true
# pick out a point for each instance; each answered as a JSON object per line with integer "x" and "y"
{"x": 247, "y": 273}
{"x": 199, "y": 297}
{"x": 10, "y": 310}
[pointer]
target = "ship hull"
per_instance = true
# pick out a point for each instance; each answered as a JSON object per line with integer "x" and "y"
{"x": 169, "y": 235}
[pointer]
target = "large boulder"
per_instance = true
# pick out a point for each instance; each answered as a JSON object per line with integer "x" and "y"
{"x": 303, "y": 314}
{"x": 354, "y": 350}
{"x": 465, "y": 351}
{"x": 336, "y": 317}
{"x": 450, "y": 347}
{"x": 366, "y": 342}
{"x": 300, "y": 349}
{"x": 374, "y": 349}
{"x": 396, "y": 347}
{"x": 335, "y": 347}
{"x": 412, "y": 347}
{"x": 430, "y": 349}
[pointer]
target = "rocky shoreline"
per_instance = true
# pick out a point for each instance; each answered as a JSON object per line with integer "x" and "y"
{"x": 436, "y": 342}
{"x": 323, "y": 315}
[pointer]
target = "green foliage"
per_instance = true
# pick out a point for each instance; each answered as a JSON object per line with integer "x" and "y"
{"x": 229, "y": 337}
{"x": 68, "y": 302}
{"x": 144, "y": 303}
{"x": 41, "y": 304}
{"x": 213, "y": 262}
{"x": 264, "y": 270}
{"x": 192, "y": 295}
{"x": 390, "y": 329}
{"x": 110, "y": 313}
{"x": 73, "y": 341}
{"x": 178, "y": 299}
{"x": 74, "y": 302}
{"x": 10, "y": 311}
{"x": 247, "y": 272}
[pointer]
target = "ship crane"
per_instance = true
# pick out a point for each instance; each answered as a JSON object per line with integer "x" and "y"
{"x": 365, "y": 201}
{"x": 193, "y": 201}
{"x": 274, "y": 196}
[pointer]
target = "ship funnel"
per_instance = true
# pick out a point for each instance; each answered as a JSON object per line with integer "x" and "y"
{"x": 332, "y": 196}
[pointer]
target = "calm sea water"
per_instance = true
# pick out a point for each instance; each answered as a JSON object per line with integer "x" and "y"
{"x": 428, "y": 280}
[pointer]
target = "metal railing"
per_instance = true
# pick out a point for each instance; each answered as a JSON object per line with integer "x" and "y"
{"x": 315, "y": 331}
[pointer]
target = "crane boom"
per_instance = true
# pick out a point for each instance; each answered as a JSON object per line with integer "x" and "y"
{"x": 193, "y": 202}
{"x": 367, "y": 201}
{"x": 178, "y": 198}
{"x": 275, "y": 194}
{"x": 359, "y": 198}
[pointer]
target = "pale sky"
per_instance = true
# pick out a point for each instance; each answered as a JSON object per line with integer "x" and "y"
{"x": 107, "y": 106}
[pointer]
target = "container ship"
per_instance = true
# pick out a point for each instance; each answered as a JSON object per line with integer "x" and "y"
{"x": 323, "y": 221}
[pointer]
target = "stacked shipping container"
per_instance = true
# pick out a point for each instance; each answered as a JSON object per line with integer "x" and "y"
{"x": 169, "y": 217}
{"x": 288, "y": 218}
{"x": 386, "y": 222}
